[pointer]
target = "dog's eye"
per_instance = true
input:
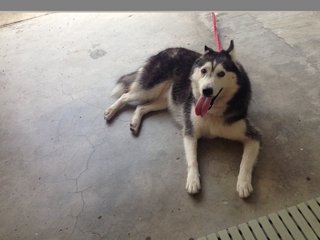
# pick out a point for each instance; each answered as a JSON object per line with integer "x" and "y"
{"x": 221, "y": 74}
{"x": 203, "y": 71}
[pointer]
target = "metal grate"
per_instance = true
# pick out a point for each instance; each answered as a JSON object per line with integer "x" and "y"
{"x": 297, "y": 222}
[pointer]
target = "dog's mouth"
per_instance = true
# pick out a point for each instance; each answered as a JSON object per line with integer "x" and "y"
{"x": 204, "y": 104}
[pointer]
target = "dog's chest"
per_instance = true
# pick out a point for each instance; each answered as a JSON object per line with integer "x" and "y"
{"x": 209, "y": 127}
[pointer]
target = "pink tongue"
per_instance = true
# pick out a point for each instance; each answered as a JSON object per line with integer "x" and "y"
{"x": 203, "y": 105}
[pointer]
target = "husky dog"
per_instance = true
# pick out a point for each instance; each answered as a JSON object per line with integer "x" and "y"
{"x": 208, "y": 94}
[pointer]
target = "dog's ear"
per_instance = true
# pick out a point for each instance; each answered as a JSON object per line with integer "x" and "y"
{"x": 231, "y": 47}
{"x": 208, "y": 50}
{"x": 231, "y": 50}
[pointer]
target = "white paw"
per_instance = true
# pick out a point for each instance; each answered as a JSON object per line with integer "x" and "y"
{"x": 134, "y": 127}
{"x": 193, "y": 182}
{"x": 244, "y": 188}
{"x": 108, "y": 113}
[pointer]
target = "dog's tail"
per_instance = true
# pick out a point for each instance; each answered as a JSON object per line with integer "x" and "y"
{"x": 123, "y": 84}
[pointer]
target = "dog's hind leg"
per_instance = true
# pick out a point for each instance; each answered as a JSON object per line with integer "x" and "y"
{"x": 156, "y": 105}
{"x": 137, "y": 93}
{"x": 123, "y": 100}
{"x": 127, "y": 89}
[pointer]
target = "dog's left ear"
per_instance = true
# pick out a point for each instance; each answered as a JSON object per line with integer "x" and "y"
{"x": 208, "y": 50}
{"x": 231, "y": 50}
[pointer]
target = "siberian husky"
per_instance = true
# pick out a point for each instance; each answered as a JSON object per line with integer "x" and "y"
{"x": 208, "y": 95}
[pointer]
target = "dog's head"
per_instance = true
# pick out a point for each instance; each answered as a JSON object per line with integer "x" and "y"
{"x": 213, "y": 75}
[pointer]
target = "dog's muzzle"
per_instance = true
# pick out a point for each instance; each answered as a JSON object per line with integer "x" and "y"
{"x": 205, "y": 101}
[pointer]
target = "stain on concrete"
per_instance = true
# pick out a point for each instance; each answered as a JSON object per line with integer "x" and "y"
{"x": 282, "y": 139}
{"x": 94, "y": 45}
{"x": 97, "y": 53}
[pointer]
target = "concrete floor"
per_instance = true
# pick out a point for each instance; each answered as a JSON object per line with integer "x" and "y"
{"x": 66, "y": 174}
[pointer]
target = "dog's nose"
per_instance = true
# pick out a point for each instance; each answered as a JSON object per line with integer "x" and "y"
{"x": 207, "y": 92}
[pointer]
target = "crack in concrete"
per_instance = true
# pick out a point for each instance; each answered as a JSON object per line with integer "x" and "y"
{"x": 84, "y": 170}
{"x": 87, "y": 139}
{"x": 92, "y": 232}
{"x": 41, "y": 157}
{"x": 64, "y": 92}
{"x": 94, "y": 148}
{"x": 97, "y": 234}
{"x": 293, "y": 47}
{"x": 78, "y": 215}
{"x": 77, "y": 184}
{"x": 271, "y": 31}
{"x": 57, "y": 135}
{"x": 24, "y": 20}
{"x": 90, "y": 104}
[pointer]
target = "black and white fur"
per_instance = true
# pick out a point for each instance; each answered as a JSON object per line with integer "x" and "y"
{"x": 175, "y": 79}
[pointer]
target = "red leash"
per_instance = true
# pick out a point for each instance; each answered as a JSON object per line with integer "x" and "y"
{"x": 216, "y": 34}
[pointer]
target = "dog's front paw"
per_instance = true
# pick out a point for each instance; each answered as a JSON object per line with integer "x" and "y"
{"x": 108, "y": 113}
{"x": 193, "y": 183}
{"x": 244, "y": 188}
